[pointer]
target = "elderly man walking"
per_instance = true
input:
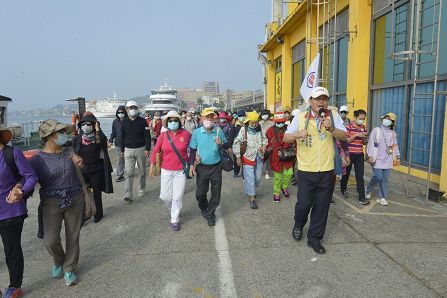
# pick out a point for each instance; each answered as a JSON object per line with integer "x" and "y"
{"x": 205, "y": 145}
{"x": 314, "y": 131}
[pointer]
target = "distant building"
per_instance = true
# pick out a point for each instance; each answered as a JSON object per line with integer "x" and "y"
{"x": 190, "y": 96}
{"x": 210, "y": 88}
{"x": 232, "y": 96}
{"x": 254, "y": 100}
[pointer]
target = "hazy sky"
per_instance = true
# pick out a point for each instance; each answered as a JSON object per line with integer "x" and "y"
{"x": 52, "y": 50}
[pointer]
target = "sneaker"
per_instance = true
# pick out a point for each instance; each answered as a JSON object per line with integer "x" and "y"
{"x": 253, "y": 205}
{"x": 204, "y": 213}
{"x": 70, "y": 278}
{"x": 276, "y": 199}
{"x": 382, "y": 202}
{"x": 56, "y": 272}
{"x": 285, "y": 193}
{"x": 267, "y": 176}
{"x": 120, "y": 179}
{"x": 364, "y": 202}
{"x": 235, "y": 175}
{"x": 175, "y": 226}
{"x": 211, "y": 221}
{"x": 127, "y": 199}
{"x": 294, "y": 182}
{"x": 344, "y": 194}
{"x": 12, "y": 292}
{"x": 367, "y": 194}
{"x": 141, "y": 193}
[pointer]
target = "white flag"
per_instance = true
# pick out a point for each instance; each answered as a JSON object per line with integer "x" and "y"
{"x": 311, "y": 79}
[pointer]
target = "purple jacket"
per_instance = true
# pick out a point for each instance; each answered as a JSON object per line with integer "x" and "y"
{"x": 7, "y": 182}
{"x": 387, "y": 137}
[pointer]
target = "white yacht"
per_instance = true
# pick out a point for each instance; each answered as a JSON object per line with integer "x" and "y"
{"x": 106, "y": 108}
{"x": 163, "y": 99}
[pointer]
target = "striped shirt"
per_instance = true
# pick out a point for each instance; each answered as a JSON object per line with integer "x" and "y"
{"x": 356, "y": 146}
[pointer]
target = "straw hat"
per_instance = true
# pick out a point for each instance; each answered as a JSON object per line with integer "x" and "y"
{"x": 251, "y": 116}
{"x": 52, "y": 125}
{"x": 5, "y": 135}
{"x": 171, "y": 114}
{"x": 391, "y": 115}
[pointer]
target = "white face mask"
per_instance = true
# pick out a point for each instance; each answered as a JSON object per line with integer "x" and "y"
{"x": 208, "y": 123}
{"x": 121, "y": 115}
{"x": 265, "y": 117}
{"x": 280, "y": 124}
{"x": 387, "y": 122}
{"x": 241, "y": 119}
{"x": 359, "y": 121}
{"x": 87, "y": 129}
{"x": 133, "y": 112}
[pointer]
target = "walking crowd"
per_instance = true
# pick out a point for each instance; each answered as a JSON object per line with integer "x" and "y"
{"x": 310, "y": 148}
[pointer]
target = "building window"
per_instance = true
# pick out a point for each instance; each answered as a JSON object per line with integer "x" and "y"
{"x": 298, "y": 71}
{"x": 334, "y": 57}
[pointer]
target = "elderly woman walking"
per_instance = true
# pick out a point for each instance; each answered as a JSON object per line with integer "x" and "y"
{"x": 173, "y": 145}
{"x": 383, "y": 153}
{"x": 61, "y": 197}
{"x": 17, "y": 180}
{"x": 91, "y": 145}
{"x": 249, "y": 148}
{"x": 282, "y": 157}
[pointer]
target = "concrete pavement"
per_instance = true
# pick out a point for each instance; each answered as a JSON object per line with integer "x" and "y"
{"x": 372, "y": 251}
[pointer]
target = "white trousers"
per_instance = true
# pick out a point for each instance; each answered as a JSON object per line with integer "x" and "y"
{"x": 172, "y": 190}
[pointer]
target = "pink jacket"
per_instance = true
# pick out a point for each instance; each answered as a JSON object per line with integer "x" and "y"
{"x": 169, "y": 160}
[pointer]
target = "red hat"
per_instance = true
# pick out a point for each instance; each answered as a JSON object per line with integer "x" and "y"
{"x": 223, "y": 115}
{"x": 279, "y": 117}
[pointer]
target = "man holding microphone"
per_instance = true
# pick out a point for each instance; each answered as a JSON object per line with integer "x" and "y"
{"x": 314, "y": 131}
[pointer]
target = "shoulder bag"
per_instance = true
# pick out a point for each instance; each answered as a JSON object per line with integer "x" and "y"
{"x": 89, "y": 201}
{"x": 225, "y": 158}
{"x": 158, "y": 157}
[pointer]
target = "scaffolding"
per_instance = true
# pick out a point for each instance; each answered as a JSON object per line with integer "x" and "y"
{"x": 422, "y": 51}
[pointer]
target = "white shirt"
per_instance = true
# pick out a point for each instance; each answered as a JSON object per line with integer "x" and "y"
{"x": 294, "y": 127}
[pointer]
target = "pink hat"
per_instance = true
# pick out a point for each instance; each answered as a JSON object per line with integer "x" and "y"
{"x": 223, "y": 115}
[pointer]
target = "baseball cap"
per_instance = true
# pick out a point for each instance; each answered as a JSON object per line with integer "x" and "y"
{"x": 131, "y": 103}
{"x": 344, "y": 109}
{"x": 318, "y": 91}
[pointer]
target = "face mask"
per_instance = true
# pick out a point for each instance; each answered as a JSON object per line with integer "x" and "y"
{"x": 173, "y": 126}
{"x": 265, "y": 117}
{"x": 359, "y": 122}
{"x": 234, "y": 116}
{"x": 208, "y": 123}
{"x": 87, "y": 129}
{"x": 241, "y": 119}
{"x": 121, "y": 115}
{"x": 133, "y": 112}
{"x": 188, "y": 118}
{"x": 61, "y": 138}
{"x": 156, "y": 117}
{"x": 387, "y": 122}
{"x": 223, "y": 121}
{"x": 281, "y": 124}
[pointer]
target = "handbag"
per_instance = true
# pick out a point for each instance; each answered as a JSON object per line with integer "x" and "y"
{"x": 243, "y": 144}
{"x": 185, "y": 164}
{"x": 285, "y": 154}
{"x": 89, "y": 201}
{"x": 225, "y": 158}
{"x": 157, "y": 165}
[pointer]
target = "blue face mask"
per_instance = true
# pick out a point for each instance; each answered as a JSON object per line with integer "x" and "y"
{"x": 61, "y": 138}
{"x": 280, "y": 124}
{"x": 173, "y": 126}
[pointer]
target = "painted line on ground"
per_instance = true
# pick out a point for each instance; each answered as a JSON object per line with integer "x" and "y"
{"x": 415, "y": 207}
{"x": 408, "y": 215}
{"x": 226, "y": 279}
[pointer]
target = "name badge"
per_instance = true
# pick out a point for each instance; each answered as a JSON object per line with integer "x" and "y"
{"x": 322, "y": 135}
{"x": 389, "y": 150}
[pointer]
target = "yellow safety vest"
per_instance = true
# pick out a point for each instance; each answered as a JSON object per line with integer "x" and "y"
{"x": 314, "y": 154}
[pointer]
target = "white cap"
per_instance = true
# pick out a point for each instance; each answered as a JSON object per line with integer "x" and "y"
{"x": 131, "y": 103}
{"x": 318, "y": 91}
{"x": 344, "y": 109}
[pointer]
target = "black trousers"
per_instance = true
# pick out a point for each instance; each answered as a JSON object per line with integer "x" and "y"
{"x": 236, "y": 168}
{"x": 315, "y": 191}
{"x": 208, "y": 175}
{"x": 96, "y": 181}
{"x": 358, "y": 161}
{"x": 12, "y": 238}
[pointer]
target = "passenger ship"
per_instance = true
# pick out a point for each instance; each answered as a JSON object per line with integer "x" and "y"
{"x": 163, "y": 99}
{"x": 106, "y": 108}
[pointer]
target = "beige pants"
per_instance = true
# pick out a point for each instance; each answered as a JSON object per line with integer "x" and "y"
{"x": 73, "y": 217}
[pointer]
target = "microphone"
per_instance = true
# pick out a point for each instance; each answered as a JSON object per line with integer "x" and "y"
{"x": 322, "y": 113}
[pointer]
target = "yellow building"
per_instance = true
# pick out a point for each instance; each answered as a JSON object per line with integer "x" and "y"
{"x": 371, "y": 58}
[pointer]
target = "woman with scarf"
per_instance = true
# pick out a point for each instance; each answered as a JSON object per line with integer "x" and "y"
{"x": 91, "y": 145}
{"x": 251, "y": 135}
{"x": 383, "y": 154}
{"x": 282, "y": 167}
{"x": 61, "y": 198}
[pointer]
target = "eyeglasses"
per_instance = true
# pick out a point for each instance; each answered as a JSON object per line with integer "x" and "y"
{"x": 172, "y": 120}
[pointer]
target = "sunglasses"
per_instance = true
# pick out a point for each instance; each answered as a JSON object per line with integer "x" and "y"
{"x": 86, "y": 124}
{"x": 172, "y": 120}
{"x": 343, "y": 112}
